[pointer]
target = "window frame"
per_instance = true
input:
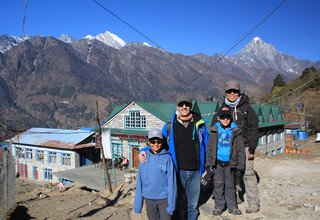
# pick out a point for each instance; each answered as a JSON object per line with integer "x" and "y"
{"x": 65, "y": 156}
{"x": 38, "y": 154}
{"x": 117, "y": 150}
{"x": 52, "y": 155}
{"x": 135, "y": 120}
{"x": 47, "y": 174}
{"x": 19, "y": 152}
{"x": 28, "y": 154}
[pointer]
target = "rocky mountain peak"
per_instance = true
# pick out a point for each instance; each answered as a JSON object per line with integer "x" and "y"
{"x": 8, "y": 41}
{"x": 109, "y": 39}
{"x": 259, "y": 48}
{"x": 66, "y": 38}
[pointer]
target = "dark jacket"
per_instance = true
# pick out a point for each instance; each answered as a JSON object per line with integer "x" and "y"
{"x": 201, "y": 131}
{"x": 237, "y": 152}
{"x": 248, "y": 122}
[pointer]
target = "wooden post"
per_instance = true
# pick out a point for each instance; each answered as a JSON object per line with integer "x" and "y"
{"x": 106, "y": 175}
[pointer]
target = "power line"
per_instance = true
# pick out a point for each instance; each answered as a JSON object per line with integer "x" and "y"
{"x": 289, "y": 92}
{"x": 209, "y": 67}
{"x": 201, "y": 74}
{"x": 148, "y": 38}
{"x": 242, "y": 38}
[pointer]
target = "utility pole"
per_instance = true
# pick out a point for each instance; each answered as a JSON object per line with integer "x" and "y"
{"x": 24, "y": 16}
{"x": 106, "y": 175}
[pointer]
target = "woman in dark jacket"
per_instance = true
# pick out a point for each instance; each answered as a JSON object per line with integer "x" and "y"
{"x": 246, "y": 119}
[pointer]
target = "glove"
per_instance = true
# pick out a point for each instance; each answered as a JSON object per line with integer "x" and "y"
{"x": 239, "y": 180}
{"x": 207, "y": 175}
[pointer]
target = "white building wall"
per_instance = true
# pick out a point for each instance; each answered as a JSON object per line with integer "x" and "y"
{"x": 42, "y": 165}
{"x": 275, "y": 146}
{"x": 118, "y": 120}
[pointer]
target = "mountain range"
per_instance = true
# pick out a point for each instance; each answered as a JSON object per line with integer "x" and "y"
{"x": 50, "y": 82}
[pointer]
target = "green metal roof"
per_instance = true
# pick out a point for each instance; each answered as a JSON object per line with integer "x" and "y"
{"x": 129, "y": 131}
{"x": 164, "y": 111}
{"x": 115, "y": 111}
{"x": 208, "y": 111}
{"x": 271, "y": 124}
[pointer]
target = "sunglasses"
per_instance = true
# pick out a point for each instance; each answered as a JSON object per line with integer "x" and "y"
{"x": 155, "y": 141}
{"x": 187, "y": 104}
{"x": 225, "y": 118}
{"x": 232, "y": 91}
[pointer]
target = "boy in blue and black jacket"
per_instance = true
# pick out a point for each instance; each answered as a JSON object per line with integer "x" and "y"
{"x": 156, "y": 182}
{"x": 226, "y": 159}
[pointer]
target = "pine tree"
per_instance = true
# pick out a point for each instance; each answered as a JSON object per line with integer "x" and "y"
{"x": 278, "y": 81}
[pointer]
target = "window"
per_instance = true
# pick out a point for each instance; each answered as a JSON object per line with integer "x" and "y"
{"x": 269, "y": 138}
{"x": 29, "y": 154}
{"x": 19, "y": 152}
{"x": 280, "y": 136}
{"x": 40, "y": 155}
{"x": 47, "y": 174}
{"x": 134, "y": 120}
{"x": 66, "y": 159}
{"x": 52, "y": 157}
{"x": 117, "y": 150}
{"x": 260, "y": 141}
{"x": 274, "y": 137}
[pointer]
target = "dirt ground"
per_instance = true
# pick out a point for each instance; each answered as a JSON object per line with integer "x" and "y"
{"x": 289, "y": 189}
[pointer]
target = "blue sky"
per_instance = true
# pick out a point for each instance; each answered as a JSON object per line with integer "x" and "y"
{"x": 178, "y": 26}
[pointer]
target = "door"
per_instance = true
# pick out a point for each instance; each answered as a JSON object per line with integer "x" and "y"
{"x": 19, "y": 168}
{"x": 84, "y": 161}
{"x": 135, "y": 153}
{"x": 22, "y": 170}
{"x": 35, "y": 172}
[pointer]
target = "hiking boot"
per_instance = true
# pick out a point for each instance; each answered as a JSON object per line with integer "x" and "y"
{"x": 235, "y": 211}
{"x": 216, "y": 212}
{"x": 252, "y": 209}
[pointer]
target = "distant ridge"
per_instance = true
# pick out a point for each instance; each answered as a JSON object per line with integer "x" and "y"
{"x": 49, "y": 82}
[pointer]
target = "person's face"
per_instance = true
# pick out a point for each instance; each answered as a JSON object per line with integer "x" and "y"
{"x": 232, "y": 94}
{"x": 225, "y": 120}
{"x": 184, "y": 108}
{"x": 155, "y": 144}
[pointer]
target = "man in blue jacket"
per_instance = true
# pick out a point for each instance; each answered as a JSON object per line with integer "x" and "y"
{"x": 187, "y": 139}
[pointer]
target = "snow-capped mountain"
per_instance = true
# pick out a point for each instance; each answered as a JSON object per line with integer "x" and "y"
{"x": 80, "y": 73}
{"x": 66, "y": 38}
{"x": 260, "y": 55}
{"x": 109, "y": 39}
{"x": 8, "y": 41}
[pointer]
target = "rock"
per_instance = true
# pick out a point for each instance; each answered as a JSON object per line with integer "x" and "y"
{"x": 308, "y": 206}
{"x": 42, "y": 196}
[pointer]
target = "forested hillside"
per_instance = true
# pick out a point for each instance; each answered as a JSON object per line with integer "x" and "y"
{"x": 299, "y": 98}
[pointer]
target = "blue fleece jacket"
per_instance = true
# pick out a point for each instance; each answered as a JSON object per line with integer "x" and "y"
{"x": 156, "y": 180}
{"x": 224, "y": 145}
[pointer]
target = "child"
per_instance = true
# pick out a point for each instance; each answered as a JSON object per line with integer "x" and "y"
{"x": 156, "y": 181}
{"x": 225, "y": 158}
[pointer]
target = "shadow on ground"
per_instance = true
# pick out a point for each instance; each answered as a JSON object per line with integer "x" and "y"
{"x": 21, "y": 213}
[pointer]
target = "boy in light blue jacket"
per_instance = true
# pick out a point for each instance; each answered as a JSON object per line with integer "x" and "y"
{"x": 156, "y": 181}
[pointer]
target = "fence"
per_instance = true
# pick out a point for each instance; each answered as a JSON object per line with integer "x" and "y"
{"x": 7, "y": 183}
